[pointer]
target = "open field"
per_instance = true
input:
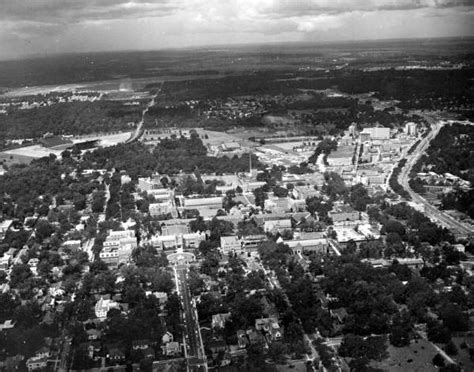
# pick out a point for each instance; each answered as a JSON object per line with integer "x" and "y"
{"x": 11, "y": 158}
{"x": 26, "y": 154}
{"x": 32, "y": 152}
{"x": 417, "y": 356}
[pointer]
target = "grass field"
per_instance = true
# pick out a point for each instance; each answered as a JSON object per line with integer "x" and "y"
{"x": 417, "y": 356}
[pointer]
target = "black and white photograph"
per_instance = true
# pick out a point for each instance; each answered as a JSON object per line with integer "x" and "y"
{"x": 236, "y": 185}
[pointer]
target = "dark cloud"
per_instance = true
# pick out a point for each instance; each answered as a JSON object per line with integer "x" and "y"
{"x": 60, "y": 11}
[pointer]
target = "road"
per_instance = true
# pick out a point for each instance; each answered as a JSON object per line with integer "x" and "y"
{"x": 432, "y": 212}
{"x": 193, "y": 342}
{"x": 139, "y": 130}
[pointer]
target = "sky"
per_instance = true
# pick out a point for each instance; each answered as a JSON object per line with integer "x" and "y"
{"x": 32, "y": 27}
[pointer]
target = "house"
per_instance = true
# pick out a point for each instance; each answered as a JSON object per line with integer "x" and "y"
{"x": 242, "y": 339}
{"x": 43, "y": 352}
{"x": 116, "y": 354}
{"x": 5, "y": 261}
{"x": 7, "y": 324}
{"x": 33, "y": 264}
{"x": 161, "y": 296}
{"x": 219, "y": 320}
{"x": 103, "y": 306}
{"x": 4, "y": 227}
{"x": 140, "y": 344}
{"x": 270, "y": 326}
{"x": 35, "y": 363}
{"x": 172, "y": 349}
{"x": 167, "y": 337}
{"x": 255, "y": 338}
{"x": 230, "y": 244}
{"x": 339, "y": 314}
{"x": 93, "y": 334}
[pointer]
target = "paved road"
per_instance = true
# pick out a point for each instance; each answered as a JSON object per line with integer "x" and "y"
{"x": 194, "y": 352}
{"x": 432, "y": 212}
{"x": 139, "y": 130}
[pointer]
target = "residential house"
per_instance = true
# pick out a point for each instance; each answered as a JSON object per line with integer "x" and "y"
{"x": 115, "y": 353}
{"x": 103, "y": 306}
{"x": 93, "y": 334}
{"x": 140, "y": 344}
{"x": 219, "y": 320}
{"x": 5, "y": 261}
{"x": 171, "y": 349}
{"x": 167, "y": 337}
{"x": 255, "y": 337}
{"x": 270, "y": 326}
{"x": 242, "y": 339}
{"x": 35, "y": 363}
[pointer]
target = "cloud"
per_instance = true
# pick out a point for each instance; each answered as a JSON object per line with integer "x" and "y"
{"x": 79, "y": 25}
{"x": 60, "y": 11}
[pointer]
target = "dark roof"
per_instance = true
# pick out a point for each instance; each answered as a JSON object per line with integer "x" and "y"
{"x": 54, "y": 141}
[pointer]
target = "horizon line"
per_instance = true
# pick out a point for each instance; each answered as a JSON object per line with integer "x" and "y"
{"x": 231, "y": 46}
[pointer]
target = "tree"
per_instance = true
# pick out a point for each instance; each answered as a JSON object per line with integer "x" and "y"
{"x": 277, "y": 352}
{"x": 43, "y": 230}
{"x": 437, "y": 332}
{"x": 438, "y": 360}
{"x": 400, "y": 329}
{"x": 451, "y": 348}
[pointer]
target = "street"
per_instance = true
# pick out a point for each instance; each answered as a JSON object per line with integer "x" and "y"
{"x": 195, "y": 351}
{"x": 432, "y": 212}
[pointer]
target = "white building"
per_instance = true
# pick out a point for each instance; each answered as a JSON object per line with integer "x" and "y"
{"x": 102, "y": 307}
{"x": 376, "y": 133}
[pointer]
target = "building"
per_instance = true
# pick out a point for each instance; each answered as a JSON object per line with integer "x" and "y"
{"x": 343, "y": 213}
{"x": 278, "y": 205}
{"x": 4, "y": 227}
{"x": 178, "y": 241}
{"x": 5, "y": 261}
{"x": 197, "y": 203}
{"x": 376, "y": 133}
{"x": 171, "y": 349}
{"x": 103, "y": 306}
{"x": 150, "y": 183}
{"x": 302, "y": 246}
{"x": 118, "y": 247}
{"x": 277, "y": 226}
{"x": 411, "y": 129}
{"x": 270, "y": 326}
{"x": 163, "y": 208}
{"x": 219, "y": 320}
{"x": 230, "y": 244}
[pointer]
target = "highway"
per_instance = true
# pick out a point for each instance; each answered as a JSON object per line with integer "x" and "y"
{"x": 432, "y": 212}
{"x": 139, "y": 130}
{"x": 193, "y": 343}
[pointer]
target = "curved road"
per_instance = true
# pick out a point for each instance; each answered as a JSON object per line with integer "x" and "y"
{"x": 432, "y": 212}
